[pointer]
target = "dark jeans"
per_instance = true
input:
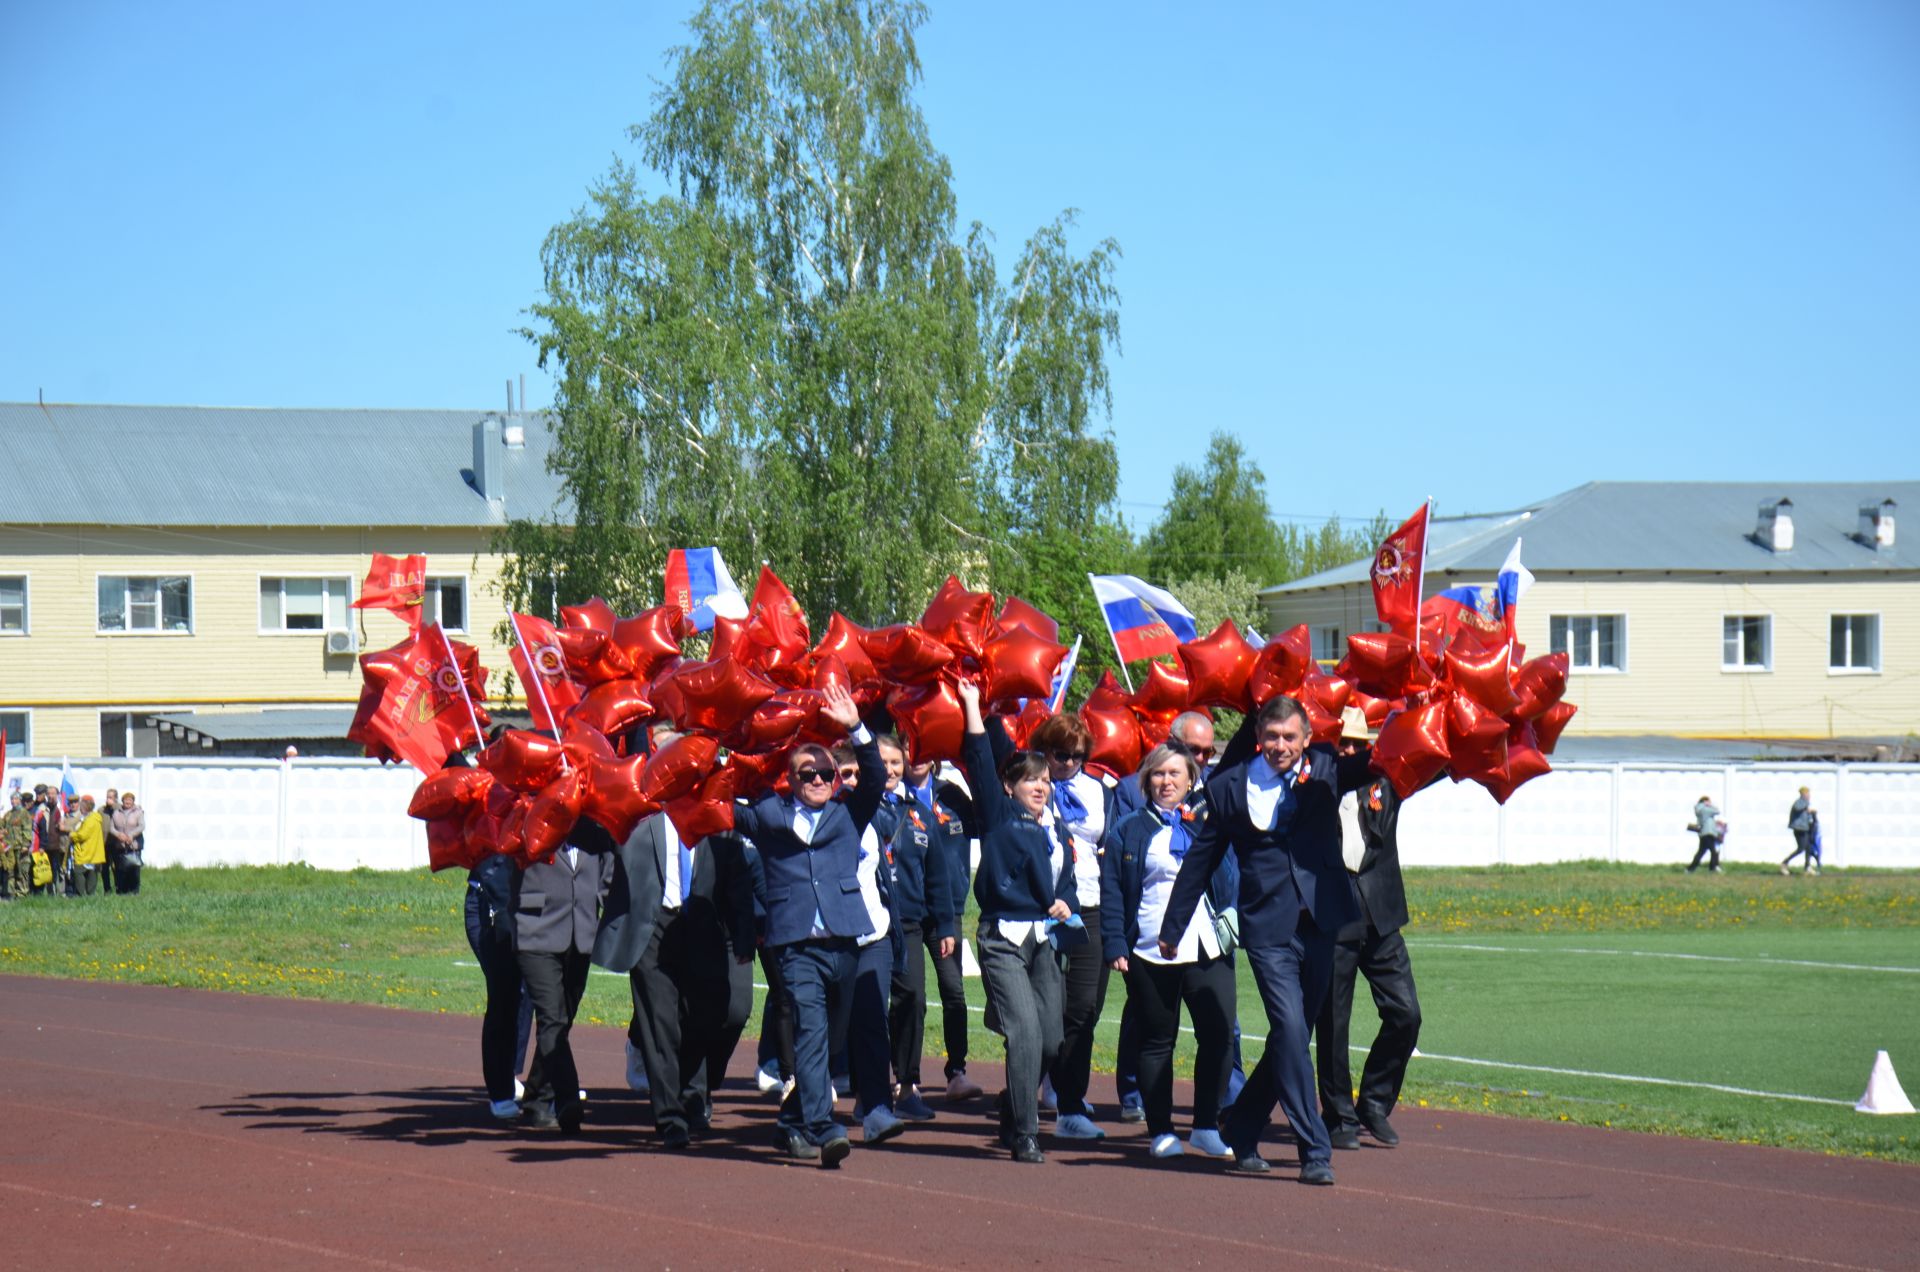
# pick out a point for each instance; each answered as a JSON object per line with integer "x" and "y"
{"x": 555, "y": 982}
{"x": 1293, "y": 980}
{"x": 1024, "y": 990}
{"x": 1156, "y": 991}
{"x": 509, "y": 1015}
{"x": 1389, "y": 972}
{"x": 1709, "y": 844}
{"x": 818, "y": 985}
{"x": 1085, "y": 995}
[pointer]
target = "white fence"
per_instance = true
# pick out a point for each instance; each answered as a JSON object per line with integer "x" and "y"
{"x": 339, "y": 814}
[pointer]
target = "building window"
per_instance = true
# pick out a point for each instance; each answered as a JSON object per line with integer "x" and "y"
{"x": 126, "y": 734}
{"x": 13, "y": 605}
{"x": 1327, "y": 645}
{"x": 146, "y": 603}
{"x": 1591, "y": 642}
{"x": 446, "y": 602}
{"x": 1854, "y": 643}
{"x": 304, "y": 605}
{"x": 18, "y": 726}
{"x": 1746, "y": 642}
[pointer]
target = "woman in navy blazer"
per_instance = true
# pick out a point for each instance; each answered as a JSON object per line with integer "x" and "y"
{"x": 1025, "y": 878}
{"x": 1143, "y": 855}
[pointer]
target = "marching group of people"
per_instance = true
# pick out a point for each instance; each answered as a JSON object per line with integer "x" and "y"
{"x": 842, "y": 888}
{"x": 54, "y": 847}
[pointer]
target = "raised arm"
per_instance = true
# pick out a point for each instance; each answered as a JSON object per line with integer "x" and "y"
{"x": 976, "y": 757}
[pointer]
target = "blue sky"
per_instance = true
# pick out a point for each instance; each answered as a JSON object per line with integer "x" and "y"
{"x": 1483, "y": 251}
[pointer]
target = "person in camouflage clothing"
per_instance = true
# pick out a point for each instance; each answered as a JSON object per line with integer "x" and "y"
{"x": 16, "y": 848}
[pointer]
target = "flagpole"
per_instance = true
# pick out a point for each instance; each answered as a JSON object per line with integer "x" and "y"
{"x": 1420, "y": 588}
{"x": 1115, "y": 639}
{"x": 460, "y": 678}
{"x": 539, "y": 684}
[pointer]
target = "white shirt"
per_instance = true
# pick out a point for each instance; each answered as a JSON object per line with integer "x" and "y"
{"x": 1161, "y": 868}
{"x": 1266, "y": 789}
{"x": 868, "y": 873}
{"x": 1086, "y": 835}
{"x": 670, "y": 894}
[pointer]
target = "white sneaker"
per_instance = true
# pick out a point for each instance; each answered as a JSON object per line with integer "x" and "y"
{"x": 1077, "y": 1126}
{"x": 637, "y": 1070}
{"x": 768, "y": 1080}
{"x": 505, "y": 1110}
{"x": 1167, "y": 1146}
{"x": 1210, "y": 1143}
{"x": 1048, "y": 1100}
{"x": 519, "y": 1089}
{"x": 583, "y": 1095}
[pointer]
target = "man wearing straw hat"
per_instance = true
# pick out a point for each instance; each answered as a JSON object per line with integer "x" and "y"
{"x": 1373, "y": 946}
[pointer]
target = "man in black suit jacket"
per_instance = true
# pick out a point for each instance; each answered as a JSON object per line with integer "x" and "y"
{"x": 670, "y": 914}
{"x": 1371, "y": 945}
{"x": 556, "y": 915}
{"x": 1278, "y": 812}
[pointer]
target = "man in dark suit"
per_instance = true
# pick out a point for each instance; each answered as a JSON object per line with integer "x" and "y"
{"x": 1278, "y": 812}
{"x": 1371, "y": 945}
{"x": 670, "y": 914}
{"x": 809, "y": 845}
{"x": 556, "y": 915}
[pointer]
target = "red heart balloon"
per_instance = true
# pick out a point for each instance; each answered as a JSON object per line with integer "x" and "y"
{"x": 905, "y": 654}
{"x": 1117, "y": 741}
{"x": 592, "y": 656}
{"x": 448, "y": 793}
{"x": 716, "y": 694}
{"x": 757, "y": 775}
{"x": 1539, "y": 684}
{"x": 1162, "y": 691}
{"x": 706, "y": 811}
{"x": 930, "y": 719}
{"x": 1281, "y": 665}
{"x": 1019, "y": 664}
{"x": 959, "y": 619}
{"x": 613, "y": 708}
{"x": 1485, "y": 675}
{"x": 1525, "y": 761}
{"x": 1015, "y": 612}
{"x": 678, "y": 767}
{"x": 1549, "y": 724}
{"x": 551, "y": 815}
{"x": 1476, "y": 739}
{"x": 1218, "y": 668}
{"x": 613, "y": 795}
{"x": 596, "y": 615}
{"x": 1412, "y": 747}
{"x": 648, "y": 640}
{"x": 521, "y": 760}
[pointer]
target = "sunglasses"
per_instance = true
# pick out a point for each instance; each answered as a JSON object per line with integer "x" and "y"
{"x": 1201, "y": 752}
{"x": 806, "y": 775}
{"x": 848, "y": 774}
{"x": 1069, "y": 757}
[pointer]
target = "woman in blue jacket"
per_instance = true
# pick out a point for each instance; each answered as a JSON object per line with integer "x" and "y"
{"x": 1143, "y": 856}
{"x": 1025, "y": 879}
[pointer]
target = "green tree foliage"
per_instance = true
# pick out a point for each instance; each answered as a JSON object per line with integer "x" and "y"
{"x": 795, "y": 354}
{"x": 1234, "y": 596}
{"x": 1217, "y": 521}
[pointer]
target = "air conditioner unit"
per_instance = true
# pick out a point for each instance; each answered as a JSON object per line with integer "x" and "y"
{"x": 343, "y": 643}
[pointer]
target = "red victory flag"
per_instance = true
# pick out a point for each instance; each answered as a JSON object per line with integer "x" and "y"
{"x": 427, "y": 702}
{"x": 396, "y": 583}
{"x": 542, "y": 667}
{"x": 1398, "y": 567}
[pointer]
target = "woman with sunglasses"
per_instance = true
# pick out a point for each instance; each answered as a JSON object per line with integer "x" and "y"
{"x": 1144, "y": 852}
{"x": 1082, "y": 806}
{"x": 1025, "y": 878}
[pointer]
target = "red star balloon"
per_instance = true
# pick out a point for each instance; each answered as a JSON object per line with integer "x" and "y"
{"x": 1117, "y": 741}
{"x": 844, "y": 639}
{"x": 1540, "y": 683}
{"x": 648, "y": 640}
{"x": 707, "y": 810}
{"x": 1162, "y": 690}
{"x": 551, "y": 815}
{"x": 1381, "y": 663}
{"x": 449, "y": 792}
{"x": 1485, "y": 675}
{"x": 1548, "y": 725}
{"x": 1281, "y": 665}
{"x": 596, "y": 615}
{"x": 1524, "y": 763}
{"x": 613, "y": 708}
{"x": 521, "y": 760}
{"x": 775, "y": 638}
{"x": 613, "y": 795}
{"x": 715, "y": 693}
{"x": 447, "y": 844}
{"x": 1218, "y": 668}
{"x": 1019, "y": 664}
{"x": 776, "y": 721}
{"x": 1017, "y": 613}
{"x": 678, "y": 768}
{"x": 1324, "y": 697}
{"x": 959, "y": 619}
{"x": 592, "y": 656}
{"x": 905, "y": 654}
{"x": 930, "y": 720}
{"x": 757, "y": 775}
{"x": 1412, "y": 747}
{"x": 728, "y": 633}
{"x": 1476, "y": 739}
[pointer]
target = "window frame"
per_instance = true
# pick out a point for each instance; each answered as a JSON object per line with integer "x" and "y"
{"x": 26, "y": 746}
{"x": 100, "y": 714}
{"x": 466, "y": 602}
{"x": 1619, "y": 640}
{"x": 1334, "y": 639}
{"x": 192, "y": 607}
{"x": 1747, "y": 669}
{"x": 1879, "y": 643}
{"x": 26, "y": 605}
{"x": 321, "y": 630}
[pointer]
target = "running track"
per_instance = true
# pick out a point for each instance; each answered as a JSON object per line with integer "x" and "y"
{"x": 168, "y": 1128}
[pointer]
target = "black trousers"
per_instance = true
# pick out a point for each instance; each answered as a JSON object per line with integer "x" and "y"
{"x": 776, "y": 1017}
{"x": 1083, "y": 997}
{"x": 681, "y": 993}
{"x": 555, "y": 982}
{"x": 1709, "y": 844}
{"x": 1155, "y": 991}
{"x": 869, "y": 1055}
{"x": 739, "y": 1012}
{"x": 126, "y": 874}
{"x": 1383, "y": 961}
{"x": 509, "y": 1017}
{"x": 951, "y": 983}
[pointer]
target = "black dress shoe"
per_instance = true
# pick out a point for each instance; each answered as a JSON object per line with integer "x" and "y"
{"x": 796, "y": 1145}
{"x": 1249, "y": 1164}
{"x": 1344, "y": 1136}
{"x": 835, "y": 1151}
{"x": 569, "y": 1123}
{"x": 673, "y": 1135}
{"x": 1377, "y": 1126}
{"x": 1316, "y": 1173}
{"x": 1026, "y": 1148}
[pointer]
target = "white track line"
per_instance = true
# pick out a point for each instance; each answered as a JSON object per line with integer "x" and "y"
{"x": 1694, "y": 958}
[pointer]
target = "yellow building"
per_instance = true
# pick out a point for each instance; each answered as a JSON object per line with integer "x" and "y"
{"x": 178, "y": 580}
{"x": 1788, "y": 610}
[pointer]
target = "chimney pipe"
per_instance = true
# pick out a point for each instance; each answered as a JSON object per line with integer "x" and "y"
{"x": 1775, "y": 529}
{"x": 523, "y": 393}
{"x": 509, "y": 395}
{"x": 1876, "y": 525}
{"x": 488, "y": 479}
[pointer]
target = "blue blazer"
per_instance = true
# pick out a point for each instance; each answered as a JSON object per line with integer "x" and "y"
{"x": 822, "y": 877}
{"x": 1015, "y": 880}
{"x": 1292, "y": 866}
{"x": 1123, "y": 877}
{"x": 922, "y": 890}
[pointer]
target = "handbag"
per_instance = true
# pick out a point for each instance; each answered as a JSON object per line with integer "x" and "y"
{"x": 1226, "y": 927}
{"x": 42, "y": 870}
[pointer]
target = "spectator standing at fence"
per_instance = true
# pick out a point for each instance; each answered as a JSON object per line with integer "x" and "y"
{"x": 47, "y": 834}
{"x": 16, "y": 848}
{"x": 1706, "y": 820}
{"x": 1804, "y": 823}
{"x": 89, "y": 837}
{"x": 127, "y": 831}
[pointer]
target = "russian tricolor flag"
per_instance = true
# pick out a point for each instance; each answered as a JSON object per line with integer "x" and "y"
{"x": 698, "y": 582}
{"x": 1145, "y": 620}
{"x": 1484, "y": 607}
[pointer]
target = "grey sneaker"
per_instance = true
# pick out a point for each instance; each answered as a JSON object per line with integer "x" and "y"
{"x": 1077, "y": 1126}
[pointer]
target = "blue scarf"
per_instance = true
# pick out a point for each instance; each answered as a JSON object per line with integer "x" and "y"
{"x": 1066, "y": 804}
{"x": 1180, "y": 838}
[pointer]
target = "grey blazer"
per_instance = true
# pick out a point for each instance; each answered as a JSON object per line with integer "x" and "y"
{"x": 556, "y": 906}
{"x": 722, "y": 885}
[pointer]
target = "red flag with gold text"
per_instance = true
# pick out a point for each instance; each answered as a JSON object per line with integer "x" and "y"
{"x": 413, "y": 706}
{"x": 396, "y": 583}
{"x": 542, "y": 668}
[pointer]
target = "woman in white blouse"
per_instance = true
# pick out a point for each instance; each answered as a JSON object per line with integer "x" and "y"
{"x": 1143, "y": 855}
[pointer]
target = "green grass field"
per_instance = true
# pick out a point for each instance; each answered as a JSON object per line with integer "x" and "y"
{"x": 1544, "y": 989}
